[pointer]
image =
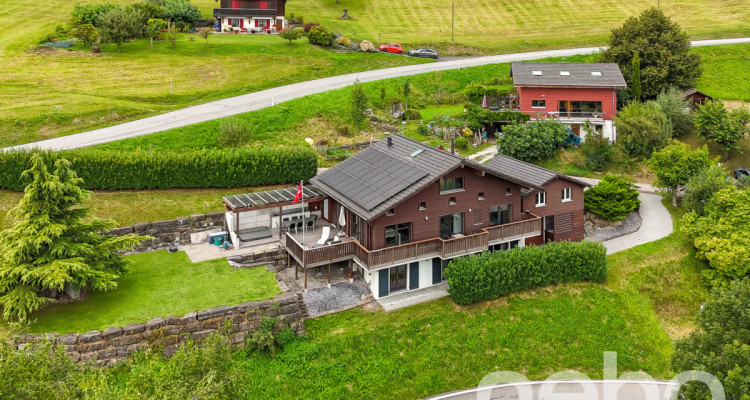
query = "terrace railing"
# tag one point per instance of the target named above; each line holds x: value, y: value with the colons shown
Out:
x: 352, y: 249
x: 244, y: 12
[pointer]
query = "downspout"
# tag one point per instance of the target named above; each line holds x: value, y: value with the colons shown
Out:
x: 614, y: 108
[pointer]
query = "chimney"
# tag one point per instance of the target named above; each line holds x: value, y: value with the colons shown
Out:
x: 389, y: 141
x: 563, y: 59
x: 453, y: 145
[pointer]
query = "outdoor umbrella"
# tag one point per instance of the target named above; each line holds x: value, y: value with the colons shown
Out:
x: 342, y: 219
x: 484, y: 101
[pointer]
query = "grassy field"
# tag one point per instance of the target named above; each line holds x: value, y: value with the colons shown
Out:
x: 726, y: 71
x: 159, y: 284
x: 509, y: 26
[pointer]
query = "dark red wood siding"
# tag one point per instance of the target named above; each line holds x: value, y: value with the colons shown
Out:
x: 562, y: 211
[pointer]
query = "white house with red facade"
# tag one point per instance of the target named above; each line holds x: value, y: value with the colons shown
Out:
x: 572, y: 93
x: 248, y: 15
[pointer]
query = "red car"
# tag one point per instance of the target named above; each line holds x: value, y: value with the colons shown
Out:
x: 392, y: 48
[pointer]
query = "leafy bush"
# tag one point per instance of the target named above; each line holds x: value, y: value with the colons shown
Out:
x: 86, y: 33
x: 613, y: 199
x: 291, y: 34
x: 642, y: 128
x: 90, y: 13
x: 263, y: 339
x: 717, y: 124
x: 461, y: 142
x: 320, y: 35
x: 677, y: 110
x: 296, y: 19
x: 113, y: 170
x: 344, y: 41
x: 233, y: 133
x: 491, y: 275
x: 533, y: 140
x: 411, y: 114
x: 309, y: 26
x: 597, y: 150
x: 675, y: 164
x: 702, y: 186
x: 423, y: 130
x: 286, y: 337
x: 337, y: 154
x: 181, y: 11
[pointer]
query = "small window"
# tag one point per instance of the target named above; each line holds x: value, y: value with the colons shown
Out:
x: 390, y: 212
x: 567, y: 194
x: 536, y: 73
x: 422, y: 205
x: 480, y: 196
x: 508, y: 191
x: 565, y: 73
x: 596, y: 73
x: 538, y: 103
x: 451, y: 184
x: 452, y: 201
x: 541, y: 199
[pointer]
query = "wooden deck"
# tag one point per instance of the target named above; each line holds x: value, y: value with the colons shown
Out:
x: 351, y: 249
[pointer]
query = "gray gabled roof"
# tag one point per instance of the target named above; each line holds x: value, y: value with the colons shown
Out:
x: 579, y: 74
x: 534, y: 175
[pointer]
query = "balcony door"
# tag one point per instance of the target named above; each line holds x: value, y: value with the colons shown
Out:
x: 451, y: 225
x: 398, y: 278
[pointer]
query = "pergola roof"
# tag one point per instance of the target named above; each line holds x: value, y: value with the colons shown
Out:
x: 269, y: 198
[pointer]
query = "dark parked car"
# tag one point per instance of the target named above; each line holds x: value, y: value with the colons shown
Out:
x: 392, y: 48
x: 425, y: 53
x: 741, y: 173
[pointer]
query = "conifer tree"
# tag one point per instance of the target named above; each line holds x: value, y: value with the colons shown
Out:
x: 54, y: 243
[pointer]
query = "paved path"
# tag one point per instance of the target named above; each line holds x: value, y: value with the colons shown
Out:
x: 269, y: 97
x: 580, y: 390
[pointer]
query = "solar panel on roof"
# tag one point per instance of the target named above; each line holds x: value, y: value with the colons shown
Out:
x: 372, y: 178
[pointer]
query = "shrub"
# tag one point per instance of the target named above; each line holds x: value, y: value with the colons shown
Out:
x: 344, y: 41
x: 181, y: 11
x: 702, y: 186
x: 309, y: 26
x: 642, y: 128
x: 412, y: 115
x: 90, y: 13
x: 533, y: 140
x: 597, y: 150
x: 423, y: 130
x: 86, y: 33
x: 113, y: 170
x: 320, y: 35
x: 461, y: 142
x: 367, y: 45
x: 286, y: 337
x: 263, y: 340
x: 613, y: 199
x: 233, y: 133
x: 291, y: 34
x: 296, y: 19
x: 491, y: 275
x: 677, y: 110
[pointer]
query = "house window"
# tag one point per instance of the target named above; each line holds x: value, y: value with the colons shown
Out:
x: 480, y: 196
x: 538, y: 103
x: 541, y: 199
x: 536, y: 73
x: 235, y: 22
x: 500, y: 215
x: 452, y: 201
x: 451, y: 225
x: 504, y: 246
x: 422, y: 205
x: 508, y: 191
x: 390, y: 212
x: 235, y: 3
x: 263, y: 5
x: 397, y: 234
x: 567, y: 194
x: 451, y: 184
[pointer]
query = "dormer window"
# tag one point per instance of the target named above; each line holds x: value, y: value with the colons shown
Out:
x: 536, y: 73
x: 596, y: 73
x: 565, y: 73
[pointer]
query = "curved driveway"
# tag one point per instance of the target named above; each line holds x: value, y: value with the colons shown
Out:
x: 266, y: 98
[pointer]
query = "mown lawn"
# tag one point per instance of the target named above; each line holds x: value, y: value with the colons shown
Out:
x: 159, y: 284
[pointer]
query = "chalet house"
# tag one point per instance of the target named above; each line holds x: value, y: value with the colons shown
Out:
x: 403, y: 210
x: 250, y: 14
x: 696, y: 98
x: 572, y: 93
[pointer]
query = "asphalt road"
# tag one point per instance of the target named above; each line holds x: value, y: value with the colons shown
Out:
x: 579, y: 390
x: 266, y: 98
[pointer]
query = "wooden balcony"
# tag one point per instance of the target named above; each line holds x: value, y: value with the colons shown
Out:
x: 244, y: 12
x: 445, y: 248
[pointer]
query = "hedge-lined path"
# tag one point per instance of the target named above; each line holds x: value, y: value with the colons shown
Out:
x: 266, y: 98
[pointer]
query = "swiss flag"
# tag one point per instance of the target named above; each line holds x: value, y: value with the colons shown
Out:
x: 298, y: 196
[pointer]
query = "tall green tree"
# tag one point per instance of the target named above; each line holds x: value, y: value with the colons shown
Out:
x: 663, y: 48
x: 635, y: 79
x: 717, y: 124
x: 642, y: 128
x: 181, y: 11
x: 677, y: 110
x: 358, y: 104
x: 720, y: 235
x: 675, y: 164
x: 54, y: 243
x: 720, y: 345
x: 119, y: 25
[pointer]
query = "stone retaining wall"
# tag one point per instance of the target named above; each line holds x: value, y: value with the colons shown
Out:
x: 165, y: 232
x: 278, y: 259
x: 114, y: 344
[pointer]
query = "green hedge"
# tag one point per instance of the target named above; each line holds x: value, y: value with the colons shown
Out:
x: 491, y: 275
x: 113, y: 170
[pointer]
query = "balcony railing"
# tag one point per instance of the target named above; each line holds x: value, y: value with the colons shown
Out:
x: 244, y: 12
x: 445, y: 248
x: 567, y: 114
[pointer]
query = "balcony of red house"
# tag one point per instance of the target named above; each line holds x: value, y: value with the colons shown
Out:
x: 250, y: 16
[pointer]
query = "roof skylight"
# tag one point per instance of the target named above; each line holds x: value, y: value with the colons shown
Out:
x: 596, y: 73
x: 565, y: 73
x: 536, y: 73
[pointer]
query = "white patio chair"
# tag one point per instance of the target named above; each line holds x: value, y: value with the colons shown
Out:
x: 324, y: 235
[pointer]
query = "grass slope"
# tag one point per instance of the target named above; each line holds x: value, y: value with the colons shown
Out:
x: 159, y: 284
x: 508, y: 26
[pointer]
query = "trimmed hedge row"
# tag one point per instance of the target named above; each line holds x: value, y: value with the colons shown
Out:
x: 114, y: 170
x: 491, y: 275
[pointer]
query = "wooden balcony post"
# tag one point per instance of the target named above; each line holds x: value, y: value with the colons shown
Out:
x: 305, y: 278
